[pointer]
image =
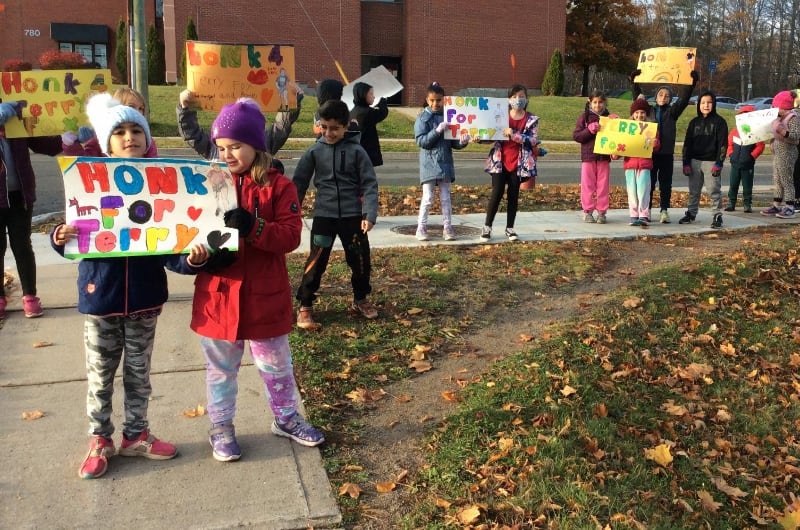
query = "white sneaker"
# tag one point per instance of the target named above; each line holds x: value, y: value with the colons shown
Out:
x: 422, y: 234
x: 511, y: 235
x: 588, y: 217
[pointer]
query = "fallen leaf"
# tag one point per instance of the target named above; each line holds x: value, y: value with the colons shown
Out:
x: 199, y: 410
x: 469, y: 515
x: 730, y: 491
x: 525, y: 338
x: 790, y: 520
x: 353, y: 467
x: 350, y: 489
x: 632, y: 303
x: 32, y: 415
x: 708, y: 502
x: 403, y: 398
x: 568, y: 391
x: 450, y: 396
x: 421, y: 366
x: 441, y: 503
x: 414, y: 311
x: 660, y: 455
x: 42, y: 344
x: 385, y: 487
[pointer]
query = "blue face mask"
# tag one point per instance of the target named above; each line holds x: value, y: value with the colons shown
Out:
x: 517, y: 103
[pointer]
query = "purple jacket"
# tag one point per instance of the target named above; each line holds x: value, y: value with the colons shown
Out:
x: 583, y: 136
x: 20, y: 150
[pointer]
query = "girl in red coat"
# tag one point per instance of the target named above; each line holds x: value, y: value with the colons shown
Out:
x: 637, y: 173
x: 251, y: 299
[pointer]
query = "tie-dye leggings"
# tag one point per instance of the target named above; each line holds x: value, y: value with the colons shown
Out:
x: 272, y: 357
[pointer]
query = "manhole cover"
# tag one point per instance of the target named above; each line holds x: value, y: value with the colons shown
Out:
x: 435, y: 231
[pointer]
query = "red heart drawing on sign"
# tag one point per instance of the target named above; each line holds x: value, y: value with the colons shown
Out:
x: 194, y: 213
x: 266, y: 95
x: 257, y: 77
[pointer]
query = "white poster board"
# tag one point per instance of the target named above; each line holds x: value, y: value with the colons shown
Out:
x: 143, y: 206
x: 756, y: 126
x: 383, y: 83
x: 481, y: 117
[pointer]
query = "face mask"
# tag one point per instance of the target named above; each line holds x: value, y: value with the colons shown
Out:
x: 518, y: 103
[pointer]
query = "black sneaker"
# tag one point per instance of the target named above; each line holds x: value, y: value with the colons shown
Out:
x: 686, y: 219
x: 717, y: 221
x: 730, y: 208
x: 748, y: 209
x: 511, y: 235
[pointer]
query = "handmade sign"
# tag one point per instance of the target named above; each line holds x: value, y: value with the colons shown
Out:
x: 222, y: 73
x: 625, y: 137
x: 140, y: 206
x: 756, y: 126
x: 51, y: 102
x: 666, y: 65
x: 383, y: 83
x: 481, y: 117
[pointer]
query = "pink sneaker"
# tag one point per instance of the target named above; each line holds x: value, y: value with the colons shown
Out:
x: 2, y: 307
x: 32, y: 306
x: 96, y: 463
x: 148, y: 446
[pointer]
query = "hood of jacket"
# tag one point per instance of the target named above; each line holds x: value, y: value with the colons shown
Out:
x: 713, y: 102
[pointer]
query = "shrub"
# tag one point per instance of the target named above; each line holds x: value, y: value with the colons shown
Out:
x: 191, y: 34
x: 156, y: 66
x: 553, y: 82
x: 121, y: 53
x: 16, y: 65
x: 58, y: 60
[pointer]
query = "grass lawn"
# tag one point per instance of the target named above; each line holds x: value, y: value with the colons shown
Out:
x: 558, y: 116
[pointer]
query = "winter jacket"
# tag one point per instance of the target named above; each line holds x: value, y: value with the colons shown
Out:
x: 252, y: 298
x: 20, y: 150
x: 343, y: 176
x: 666, y: 116
x: 528, y: 139
x: 126, y: 285
x: 743, y: 156
x: 640, y: 162
x: 436, y: 153
x: 586, y: 138
x: 706, y: 136
x: 368, y: 118
x: 198, y: 139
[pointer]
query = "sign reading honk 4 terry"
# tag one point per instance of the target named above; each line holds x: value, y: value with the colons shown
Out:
x: 50, y: 102
x: 485, y: 118
x: 625, y: 137
x: 142, y: 206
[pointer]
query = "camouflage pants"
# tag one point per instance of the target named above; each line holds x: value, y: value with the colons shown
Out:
x: 106, y: 338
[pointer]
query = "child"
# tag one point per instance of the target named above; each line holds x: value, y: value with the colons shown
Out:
x: 665, y: 114
x: 346, y: 205
x: 251, y: 300
x: 637, y: 172
x: 436, y: 166
x: 704, y: 151
x: 367, y: 117
x: 786, y: 132
x: 121, y: 298
x: 512, y: 161
x: 85, y: 142
x: 197, y: 138
x: 595, y: 169
x: 17, y: 195
x: 743, y: 159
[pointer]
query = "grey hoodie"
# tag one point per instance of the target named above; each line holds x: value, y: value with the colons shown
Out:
x: 343, y: 176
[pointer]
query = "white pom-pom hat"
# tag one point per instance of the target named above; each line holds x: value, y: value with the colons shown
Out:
x: 106, y: 114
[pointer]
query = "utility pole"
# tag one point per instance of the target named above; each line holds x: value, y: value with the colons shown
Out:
x: 139, y: 47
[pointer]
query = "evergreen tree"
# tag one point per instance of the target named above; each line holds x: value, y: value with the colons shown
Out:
x: 121, y: 53
x: 156, y: 66
x: 191, y: 34
x: 553, y: 82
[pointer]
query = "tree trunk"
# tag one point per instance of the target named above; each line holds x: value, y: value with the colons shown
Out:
x: 585, y: 81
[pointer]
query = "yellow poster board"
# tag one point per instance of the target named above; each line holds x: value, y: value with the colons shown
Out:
x: 50, y: 101
x: 219, y: 74
x: 625, y: 137
x: 666, y: 66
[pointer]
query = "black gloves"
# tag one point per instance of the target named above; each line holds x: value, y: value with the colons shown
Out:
x: 634, y: 74
x: 218, y: 260
x: 240, y: 219
x: 695, y: 76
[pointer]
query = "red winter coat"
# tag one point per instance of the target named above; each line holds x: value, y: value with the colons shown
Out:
x: 252, y: 299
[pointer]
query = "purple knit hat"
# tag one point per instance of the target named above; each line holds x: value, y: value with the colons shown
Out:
x: 241, y: 121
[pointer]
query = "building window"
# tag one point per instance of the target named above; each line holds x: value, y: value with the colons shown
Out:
x: 93, y: 53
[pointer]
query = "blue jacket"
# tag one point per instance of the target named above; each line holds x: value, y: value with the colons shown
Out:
x: 436, y: 153
x: 121, y: 286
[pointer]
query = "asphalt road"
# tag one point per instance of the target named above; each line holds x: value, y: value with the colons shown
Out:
x: 399, y: 169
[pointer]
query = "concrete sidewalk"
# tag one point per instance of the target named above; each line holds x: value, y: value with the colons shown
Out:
x: 276, y: 485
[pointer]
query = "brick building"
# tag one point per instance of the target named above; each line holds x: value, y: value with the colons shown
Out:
x: 459, y: 44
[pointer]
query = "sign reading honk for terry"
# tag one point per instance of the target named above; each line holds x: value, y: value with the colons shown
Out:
x: 485, y: 118
x: 142, y: 206
x: 625, y: 137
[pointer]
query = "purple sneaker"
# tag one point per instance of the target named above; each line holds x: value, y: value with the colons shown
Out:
x: 223, y: 442
x: 300, y: 431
